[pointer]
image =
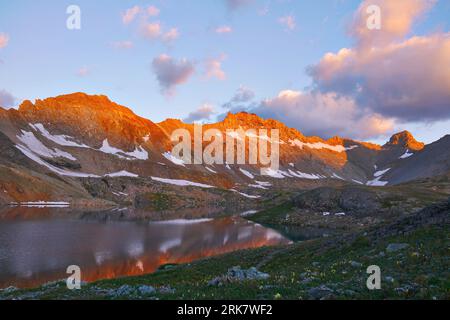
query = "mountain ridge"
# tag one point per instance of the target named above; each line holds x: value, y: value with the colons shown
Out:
x: 231, y: 119
x: 79, y: 137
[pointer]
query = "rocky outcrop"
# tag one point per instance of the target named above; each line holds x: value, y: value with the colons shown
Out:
x: 405, y: 140
x: 359, y: 200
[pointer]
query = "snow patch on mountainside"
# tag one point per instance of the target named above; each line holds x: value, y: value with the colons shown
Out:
x: 272, y: 173
x: 211, y: 170
x: 182, y: 183
x: 264, y: 183
x: 381, y: 172
x: 246, y: 195
x: 27, y: 152
x: 122, y: 173
x: 337, y: 176
x: 257, y: 186
x: 320, y: 145
x: 169, y: 156
x: 261, y: 185
x: 303, y: 175
x: 377, y: 182
x: 248, y: 174
x: 407, y: 154
x: 42, y: 204
x: 62, y: 140
x: 36, y: 146
x: 139, y: 153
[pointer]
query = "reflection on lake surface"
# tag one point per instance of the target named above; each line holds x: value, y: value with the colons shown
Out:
x: 34, y: 250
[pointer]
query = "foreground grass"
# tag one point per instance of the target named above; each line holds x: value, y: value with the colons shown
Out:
x: 420, y: 271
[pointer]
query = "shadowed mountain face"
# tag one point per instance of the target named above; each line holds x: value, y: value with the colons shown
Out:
x: 81, y: 148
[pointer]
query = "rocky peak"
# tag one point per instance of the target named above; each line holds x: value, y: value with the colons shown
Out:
x: 244, y: 119
x: 93, y: 117
x: 406, y: 140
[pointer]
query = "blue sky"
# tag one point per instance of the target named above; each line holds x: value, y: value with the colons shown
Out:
x: 43, y: 58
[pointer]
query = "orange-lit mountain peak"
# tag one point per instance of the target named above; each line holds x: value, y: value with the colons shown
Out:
x: 93, y: 117
x: 407, y: 140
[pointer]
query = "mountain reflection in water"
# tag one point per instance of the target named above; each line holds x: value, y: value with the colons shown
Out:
x: 35, y: 251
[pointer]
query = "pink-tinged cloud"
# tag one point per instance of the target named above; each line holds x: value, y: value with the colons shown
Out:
x: 203, y: 113
x: 408, y: 79
x: 155, y: 31
x: 130, y: 14
x: 224, y: 29
x: 288, y: 22
x: 123, y: 44
x: 152, y: 30
x: 213, y: 68
x: 4, y: 40
x: 7, y: 100
x: 153, y: 11
x: 171, y: 72
x: 397, y: 20
x: 324, y: 115
x: 170, y: 35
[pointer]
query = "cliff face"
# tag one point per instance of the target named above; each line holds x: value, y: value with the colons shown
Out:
x: 78, y: 137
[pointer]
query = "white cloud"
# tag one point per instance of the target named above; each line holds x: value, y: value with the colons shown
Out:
x: 171, y: 73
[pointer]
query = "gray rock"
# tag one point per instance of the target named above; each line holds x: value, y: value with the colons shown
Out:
x: 349, y: 292
x: 237, y: 274
x: 8, y: 290
x: 389, y: 279
x: 166, y: 290
x: 356, y: 264
x: 320, y: 292
x: 394, y: 247
x: 215, y: 282
x: 307, y: 280
x: 146, y: 290
x: 124, y: 290
x: 405, y: 289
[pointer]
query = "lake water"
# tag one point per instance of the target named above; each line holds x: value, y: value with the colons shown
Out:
x: 37, y: 246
